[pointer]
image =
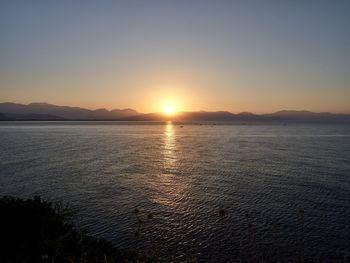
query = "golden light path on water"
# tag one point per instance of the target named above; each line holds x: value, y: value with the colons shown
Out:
x: 170, y: 187
x: 169, y: 146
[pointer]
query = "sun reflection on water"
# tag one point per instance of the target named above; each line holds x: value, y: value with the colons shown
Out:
x: 169, y: 151
x: 169, y: 188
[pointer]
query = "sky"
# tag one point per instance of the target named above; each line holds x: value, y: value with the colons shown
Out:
x: 257, y: 56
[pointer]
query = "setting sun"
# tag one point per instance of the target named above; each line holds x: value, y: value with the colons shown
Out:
x: 169, y: 109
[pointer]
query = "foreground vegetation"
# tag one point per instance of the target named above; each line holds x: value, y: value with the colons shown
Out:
x: 34, y: 230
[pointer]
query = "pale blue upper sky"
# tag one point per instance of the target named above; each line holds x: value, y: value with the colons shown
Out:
x: 258, y: 56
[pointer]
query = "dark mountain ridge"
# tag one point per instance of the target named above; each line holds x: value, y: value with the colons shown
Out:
x: 45, y: 111
x: 244, y: 117
x: 65, y: 112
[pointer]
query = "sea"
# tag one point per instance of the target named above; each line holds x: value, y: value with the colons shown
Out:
x: 203, y: 192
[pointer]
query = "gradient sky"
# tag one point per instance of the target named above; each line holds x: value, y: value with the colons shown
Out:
x: 258, y: 56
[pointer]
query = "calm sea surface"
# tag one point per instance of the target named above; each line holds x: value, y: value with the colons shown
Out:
x: 183, y: 175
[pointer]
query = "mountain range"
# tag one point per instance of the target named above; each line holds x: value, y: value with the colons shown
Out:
x: 44, y: 111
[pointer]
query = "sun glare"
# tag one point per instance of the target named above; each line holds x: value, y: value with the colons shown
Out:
x: 169, y: 109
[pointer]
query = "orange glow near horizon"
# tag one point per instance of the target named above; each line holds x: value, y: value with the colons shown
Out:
x: 169, y: 110
x: 169, y: 106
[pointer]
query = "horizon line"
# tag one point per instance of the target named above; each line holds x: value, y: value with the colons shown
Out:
x: 180, y: 111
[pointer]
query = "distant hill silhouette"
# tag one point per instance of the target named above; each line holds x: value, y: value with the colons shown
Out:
x: 307, y: 116
x: 29, y: 117
x: 61, y: 112
x: 45, y: 111
x: 281, y: 116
